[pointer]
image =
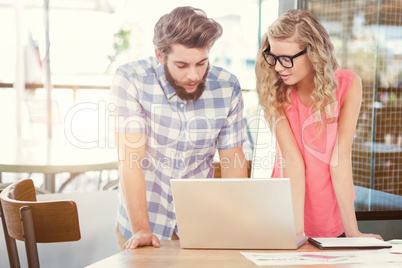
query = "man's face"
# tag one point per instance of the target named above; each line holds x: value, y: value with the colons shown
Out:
x: 186, y: 70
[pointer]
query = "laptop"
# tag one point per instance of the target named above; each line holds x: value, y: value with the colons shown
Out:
x: 235, y: 214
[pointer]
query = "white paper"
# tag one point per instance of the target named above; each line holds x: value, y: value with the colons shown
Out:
x: 328, y: 257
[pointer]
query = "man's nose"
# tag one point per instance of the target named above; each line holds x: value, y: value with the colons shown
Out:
x: 192, y: 74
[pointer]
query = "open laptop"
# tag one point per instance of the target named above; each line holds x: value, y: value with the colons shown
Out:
x: 235, y: 213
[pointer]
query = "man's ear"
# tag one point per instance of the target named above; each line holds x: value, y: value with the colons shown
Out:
x: 159, y: 56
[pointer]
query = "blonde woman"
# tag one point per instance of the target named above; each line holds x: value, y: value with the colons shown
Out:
x: 312, y: 107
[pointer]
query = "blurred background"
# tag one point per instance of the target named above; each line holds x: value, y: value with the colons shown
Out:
x: 57, y: 59
x: 89, y: 39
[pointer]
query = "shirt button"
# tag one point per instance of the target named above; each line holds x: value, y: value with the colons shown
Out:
x: 181, y: 105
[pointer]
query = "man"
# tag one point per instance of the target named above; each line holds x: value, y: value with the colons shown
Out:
x: 174, y: 111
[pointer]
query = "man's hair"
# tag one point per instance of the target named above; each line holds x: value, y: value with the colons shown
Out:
x: 187, y: 26
x: 303, y: 27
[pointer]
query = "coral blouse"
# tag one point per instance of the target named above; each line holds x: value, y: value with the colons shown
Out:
x: 321, y: 212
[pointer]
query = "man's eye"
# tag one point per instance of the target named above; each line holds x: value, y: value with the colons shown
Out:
x: 181, y: 66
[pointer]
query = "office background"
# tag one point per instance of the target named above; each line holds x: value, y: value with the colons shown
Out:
x: 90, y: 38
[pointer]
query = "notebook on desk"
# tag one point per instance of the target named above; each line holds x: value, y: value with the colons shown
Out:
x: 349, y: 243
x: 235, y: 213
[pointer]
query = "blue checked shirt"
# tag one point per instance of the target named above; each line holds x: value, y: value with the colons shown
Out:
x: 182, y: 136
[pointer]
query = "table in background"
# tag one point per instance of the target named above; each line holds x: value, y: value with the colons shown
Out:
x: 171, y: 255
x: 53, y: 157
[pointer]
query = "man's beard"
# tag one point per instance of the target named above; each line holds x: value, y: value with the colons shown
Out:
x: 181, y: 91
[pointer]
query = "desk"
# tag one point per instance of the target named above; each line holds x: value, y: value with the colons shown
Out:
x: 171, y: 255
x: 52, y: 157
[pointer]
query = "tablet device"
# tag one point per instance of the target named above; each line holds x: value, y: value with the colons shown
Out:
x: 349, y: 243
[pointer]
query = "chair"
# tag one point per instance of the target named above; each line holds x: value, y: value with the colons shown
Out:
x: 37, y: 189
x: 112, y: 185
x: 33, y: 222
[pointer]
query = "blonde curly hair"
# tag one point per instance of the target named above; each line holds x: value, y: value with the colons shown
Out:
x: 303, y: 27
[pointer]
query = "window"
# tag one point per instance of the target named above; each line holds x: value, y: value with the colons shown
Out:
x: 368, y: 38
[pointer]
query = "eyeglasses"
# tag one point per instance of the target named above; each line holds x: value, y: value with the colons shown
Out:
x: 285, y: 61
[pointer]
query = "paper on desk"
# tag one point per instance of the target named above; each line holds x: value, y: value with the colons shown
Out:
x: 327, y: 257
x: 396, y: 246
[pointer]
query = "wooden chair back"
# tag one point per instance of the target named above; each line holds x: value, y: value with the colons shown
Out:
x: 26, y: 219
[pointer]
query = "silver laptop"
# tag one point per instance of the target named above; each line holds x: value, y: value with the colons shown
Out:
x: 235, y: 213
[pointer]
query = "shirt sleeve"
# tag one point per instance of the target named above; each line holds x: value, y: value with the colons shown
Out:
x: 233, y: 131
x: 125, y: 106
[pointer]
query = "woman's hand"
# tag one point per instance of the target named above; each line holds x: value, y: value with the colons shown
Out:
x: 359, y: 234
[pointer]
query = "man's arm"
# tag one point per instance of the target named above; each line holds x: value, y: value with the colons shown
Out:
x: 131, y: 150
x: 233, y: 163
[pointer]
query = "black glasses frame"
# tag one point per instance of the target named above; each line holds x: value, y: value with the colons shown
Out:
x: 266, y: 53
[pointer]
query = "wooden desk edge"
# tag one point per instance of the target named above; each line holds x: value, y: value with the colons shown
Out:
x: 170, y: 249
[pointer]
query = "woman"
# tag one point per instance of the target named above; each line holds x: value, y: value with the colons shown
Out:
x: 312, y: 107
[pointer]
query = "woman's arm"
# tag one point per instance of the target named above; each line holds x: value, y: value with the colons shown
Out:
x: 341, y: 162
x: 293, y: 168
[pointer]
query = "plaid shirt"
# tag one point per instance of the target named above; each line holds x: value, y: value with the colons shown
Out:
x: 182, y: 136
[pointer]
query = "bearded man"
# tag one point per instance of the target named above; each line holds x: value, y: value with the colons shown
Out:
x: 173, y: 112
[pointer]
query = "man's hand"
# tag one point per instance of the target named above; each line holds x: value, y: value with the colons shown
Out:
x: 141, y: 238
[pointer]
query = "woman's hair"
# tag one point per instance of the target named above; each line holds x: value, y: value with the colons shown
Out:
x: 302, y: 27
x: 187, y: 26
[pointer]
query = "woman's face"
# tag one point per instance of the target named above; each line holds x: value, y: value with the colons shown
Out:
x: 302, y: 71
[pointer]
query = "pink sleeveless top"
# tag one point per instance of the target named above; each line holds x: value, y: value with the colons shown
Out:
x: 321, y: 212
